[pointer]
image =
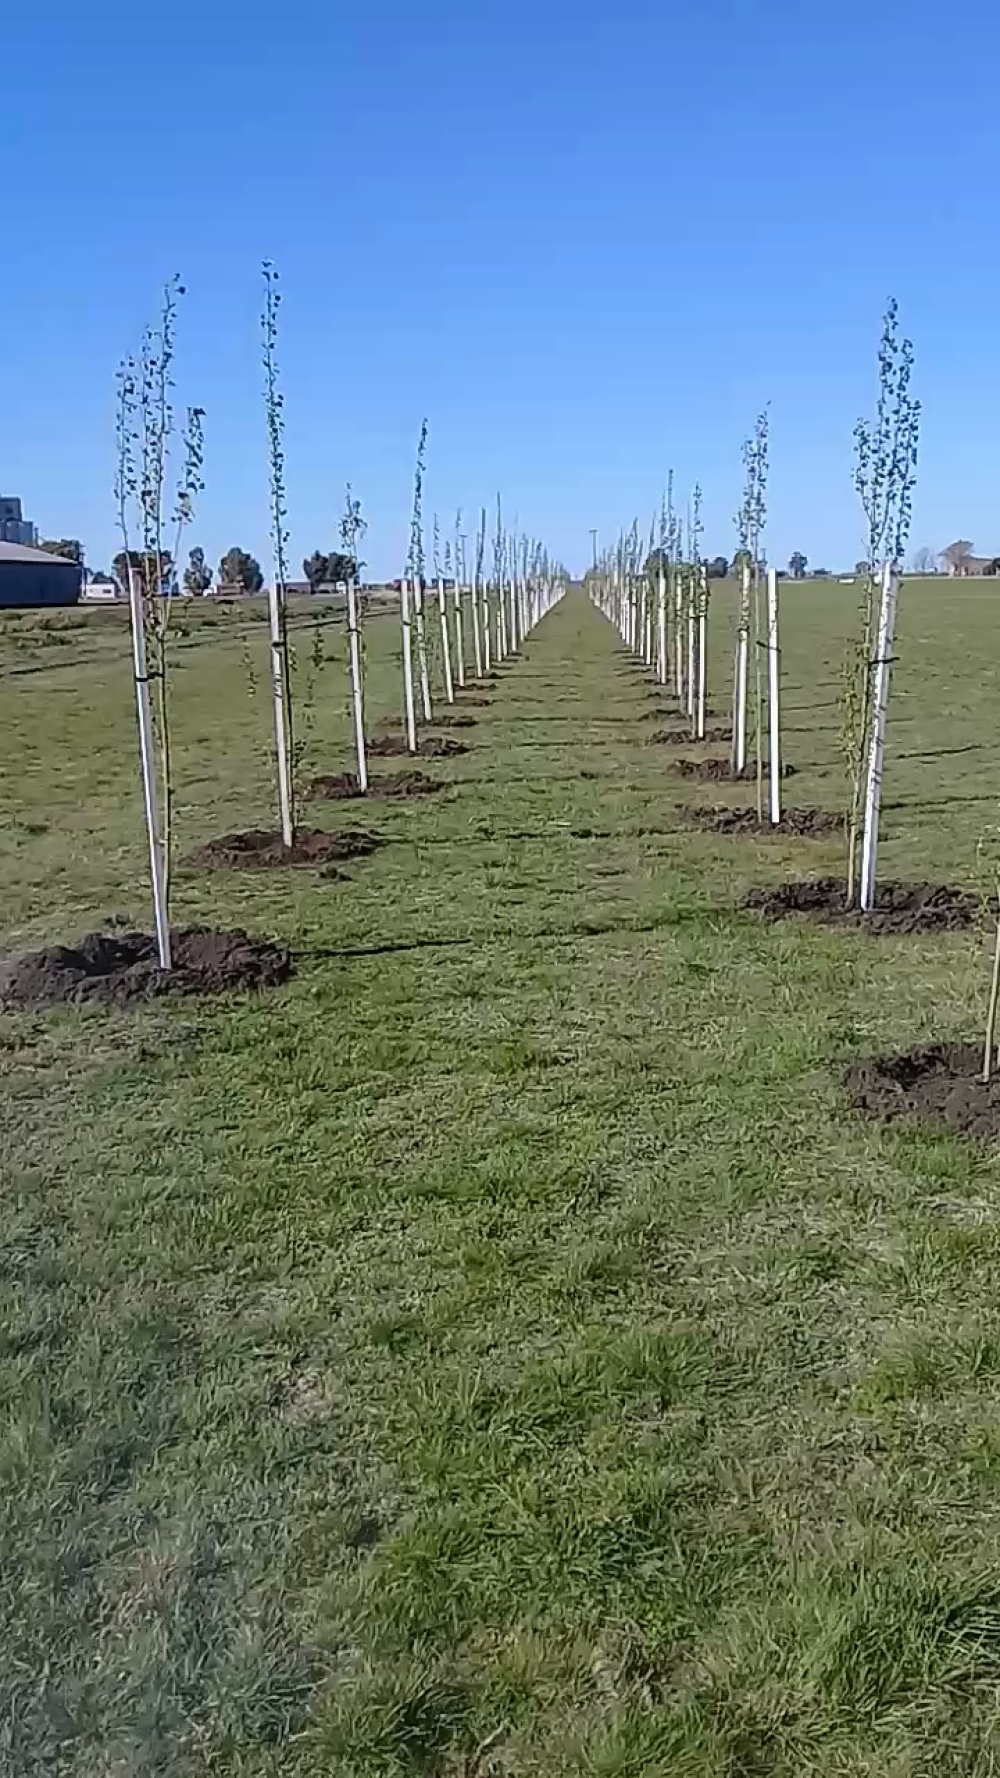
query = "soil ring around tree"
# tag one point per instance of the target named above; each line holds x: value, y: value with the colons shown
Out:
x: 899, y: 907
x: 264, y: 849
x: 801, y: 823
x: 122, y: 969
x: 428, y: 747
x: 718, y: 769
x: 682, y: 737
x: 940, y: 1084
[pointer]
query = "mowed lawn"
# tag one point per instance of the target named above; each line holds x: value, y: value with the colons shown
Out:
x: 498, y: 1352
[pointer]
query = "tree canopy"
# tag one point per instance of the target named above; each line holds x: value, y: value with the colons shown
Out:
x: 798, y: 562
x: 329, y: 569
x: 197, y: 574
x: 238, y: 568
x: 70, y: 547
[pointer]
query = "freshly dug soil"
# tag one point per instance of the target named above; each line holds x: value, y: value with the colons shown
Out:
x: 407, y: 784
x: 344, y: 785
x: 682, y: 737
x: 717, y: 769
x: 121, y: 969
x: 804, y: 823
x: 265, y: 850
x: 456, y: 721
x: 474, y: 703
x: 940, y: 1084
x: 429, y: 746
x: 336, y: 787
x: 899, y: 907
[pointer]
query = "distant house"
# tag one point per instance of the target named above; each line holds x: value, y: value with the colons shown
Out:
x: 30, y: 578
x: 960, y: 563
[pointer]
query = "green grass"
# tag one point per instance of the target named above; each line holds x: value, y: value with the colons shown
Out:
x: 497, y: 1352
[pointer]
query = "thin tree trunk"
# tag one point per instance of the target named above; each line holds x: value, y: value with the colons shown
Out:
x: 144, y: 715
x: 459, y: 635
x: 692, y: 650
x: 880, y: 707
x: 357, y: 688
x: 449, y: 688
x: 477, y: 635
x: 425, y: 679
x: 989, y: 1048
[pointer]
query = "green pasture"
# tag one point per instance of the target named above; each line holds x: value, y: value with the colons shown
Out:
x: 497, y: 1354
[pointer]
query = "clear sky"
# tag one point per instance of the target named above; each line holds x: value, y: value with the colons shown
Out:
x: 589, y: 243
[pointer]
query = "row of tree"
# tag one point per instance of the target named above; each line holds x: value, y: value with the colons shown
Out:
x: 238, y: 571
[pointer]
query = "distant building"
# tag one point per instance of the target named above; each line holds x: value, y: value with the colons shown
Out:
x: 14, y: 527
x: 31, y: 577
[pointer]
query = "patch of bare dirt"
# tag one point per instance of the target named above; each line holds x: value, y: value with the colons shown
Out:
x: 802, y: 823
x: 406, y: 784
x: 899, y: 907
x: 336, y: 787
x: 262, y: 849
x: 682, y: 737
x: 428, y: 746
x: 717, y: 769
x: 121, y: 969
x: 939, y: 1084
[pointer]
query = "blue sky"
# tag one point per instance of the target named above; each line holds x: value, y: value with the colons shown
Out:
x: 589, y: 243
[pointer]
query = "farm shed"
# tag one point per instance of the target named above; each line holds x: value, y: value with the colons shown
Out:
x: 33, y: 577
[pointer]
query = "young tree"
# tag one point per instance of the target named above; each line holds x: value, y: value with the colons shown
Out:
x: 241, y: 571
x: 281, y: 667
x: 197, y: 574
x: 352, y: 530
x: 884, y: 477
x: 145, y: 419
x: 748, y: 567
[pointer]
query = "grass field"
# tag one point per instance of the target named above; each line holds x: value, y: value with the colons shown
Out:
x: 497, y: 1352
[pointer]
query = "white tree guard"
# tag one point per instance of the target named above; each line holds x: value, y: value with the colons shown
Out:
x: 408, y: 707
x: 357, y: 688
x: 773, y: 694
x: 275, y: 595
x: 144, y: 713
x: 876, y: 756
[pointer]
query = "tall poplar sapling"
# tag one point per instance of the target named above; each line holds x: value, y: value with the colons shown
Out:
x: 416, y: 565
x: 750, y: 522
x: 144, y: 426
x: 884, y: 477
x: 352, y: 529
x: 483, y: 584
x: 281, y: 664
x: 457, y: 612
x: 440, y: 576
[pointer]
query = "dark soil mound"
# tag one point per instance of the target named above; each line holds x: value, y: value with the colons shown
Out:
x: 899, y: 907
x: 406, y: 784
x: 122, y: 969
x: 474, y: 703
x: 940, y: 1084
x: 804, y: 823
x: 266, y: 850
x: 682, y: 737
x: 456, y: 721
x: 336, y: 787
x: 428, y: 746
x: 717, y: 769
